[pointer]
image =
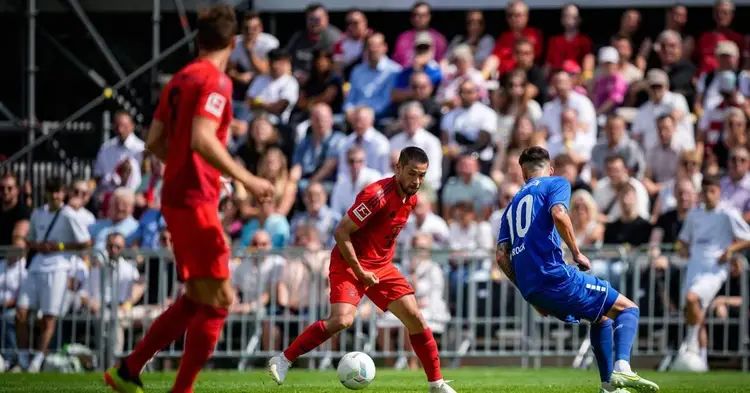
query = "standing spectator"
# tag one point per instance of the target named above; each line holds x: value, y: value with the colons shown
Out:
x: 324, y: 85
x: 470, y: 128
x: 371, y: 81
x: 316, y: 156
x: 735, y: 186
x: 78, y: 198
x: 512, y: 103
x: 269, y: 221
x: 475, y: 38
x: 350, y: 49
x: 609, y: 86
x: 406, y: 43
x: 318, y: 34
x: 469, y: 185
x: 618, y: 143
x: 663, y: 158
x: 14, y: 214
x: 358, y: 176
x: 423, y: 220
x: 422, y: 61
x: 629, y: 228
x: 53, y: 232
x: 567, y: 98
x: 317, y: 214
x: 711, y: 124
x: 679, y: 68
x: 573, y: 141
x: 277, y: 92
x: 501, y: 60
x: 119, y: 218
x: 273, y: 167
x: 375, y: 144
x: 608, y: 188
x: 707, y: 93
x: 413, y: 119
x: 584, y: 214
x: 12, y: 274
x: 707, y: 54
x: 249, y: 58
x: 116, y: 150
x: 461, y: 69
x: 571, y: 44
x: 662, y: 102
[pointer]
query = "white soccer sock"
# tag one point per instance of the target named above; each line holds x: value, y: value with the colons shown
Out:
x: 437, y: 383
x: 622, y: 366
x: 36, y: 363
x: 23, y: 358
x: 691, y: 338
x: 704, y: 354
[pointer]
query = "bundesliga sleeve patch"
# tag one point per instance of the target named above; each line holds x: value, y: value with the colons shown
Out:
x: 362, y: 212
x: 215, y: 104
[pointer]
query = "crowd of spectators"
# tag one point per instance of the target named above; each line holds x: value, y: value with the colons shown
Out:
x: 633, y: 122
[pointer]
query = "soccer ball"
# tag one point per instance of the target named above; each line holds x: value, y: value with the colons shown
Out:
x: 689, y: 362
x: 356, y: 370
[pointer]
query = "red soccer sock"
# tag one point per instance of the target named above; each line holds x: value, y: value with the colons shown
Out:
x: 427, y: 351
x: 202, y: 335
x: 310, y: 339
x: 170, y: 326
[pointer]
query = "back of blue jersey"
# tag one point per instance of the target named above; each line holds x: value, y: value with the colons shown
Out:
x: 528, y: 225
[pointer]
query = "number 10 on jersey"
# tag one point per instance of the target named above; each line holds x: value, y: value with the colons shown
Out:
x: 523, y: 218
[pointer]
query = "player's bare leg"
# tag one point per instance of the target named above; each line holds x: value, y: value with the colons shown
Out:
x: 420, y: 336
x: 696, y: 340
x: 341, y: 318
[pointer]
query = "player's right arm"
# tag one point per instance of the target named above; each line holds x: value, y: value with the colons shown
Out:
x: 504, y: 249
x: 559, y: 197
x: 343, y: 236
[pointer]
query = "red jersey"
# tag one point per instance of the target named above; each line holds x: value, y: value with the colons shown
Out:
x: 380, y: 214
x: 199, y: 89
x: 559, y: 49
x: 505, y: 45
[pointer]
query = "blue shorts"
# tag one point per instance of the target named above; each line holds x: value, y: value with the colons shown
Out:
x: 583, y: 297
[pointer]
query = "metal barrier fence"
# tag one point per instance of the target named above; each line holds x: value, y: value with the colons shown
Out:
x: 478, y: 317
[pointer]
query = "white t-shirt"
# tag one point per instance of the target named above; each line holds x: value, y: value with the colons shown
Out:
x: 469, y: 122
x: 605, y: 196
x: 113, y: 152
x: 263, y: 44
x: 253, y: 279
x: 377, y: 152
x: 270, y: 90
x: 431, y: 145
x: 67, y: 229
x: 645, y: 122
x: 345, y: 191
x: 709, y: 233
x: 11, y: 278
x: 477, y: 237
x: 84, y: 217
x: 581, y: 104
x: 711, y: 95
x: 433, y: 225
x: 127, y: 276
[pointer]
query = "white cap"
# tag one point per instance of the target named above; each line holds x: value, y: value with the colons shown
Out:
x: 608, y: 54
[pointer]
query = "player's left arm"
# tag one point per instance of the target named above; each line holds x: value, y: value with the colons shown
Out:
x: 156, y: 140
x: 504, y: 261
x: 741, y: 233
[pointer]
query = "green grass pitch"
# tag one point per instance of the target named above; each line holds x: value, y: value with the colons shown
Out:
x: 466, y: 380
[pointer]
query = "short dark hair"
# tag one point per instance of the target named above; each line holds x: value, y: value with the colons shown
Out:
x: 115, y: 234
x: 421, y: 4
x: 663, y: 117
x: 522, y: 41
x: 412, y: 154
x: 8, y: 175
x: 627, y: 188
x: 711, y: 180
x: 278, y: 54
x: 620, y: 37
x: 534, y: 156
x: 614, y: 157
x: 563, y: 160
x: 54, y: 184
x: 250, y: 15
x: 314, y: 7
x: 217, y: 27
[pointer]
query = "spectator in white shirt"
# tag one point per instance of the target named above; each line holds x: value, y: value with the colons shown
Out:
x: 376, y: 146
x: 462, y: 68
x: 506, y: 194
x: 424, y: 220
x: 567, y: 98
x: 12, y: 274
x: 572, y: 141
x: 277, y: 92
x: 125, y: 145
x: 607, y: 189
x: 350, y: 50
x: 413, y: 119
x: 467, y: 233
x: 662, y: 101
x: 349, y: 185
x: 469, y: 185
x: 78, y: 197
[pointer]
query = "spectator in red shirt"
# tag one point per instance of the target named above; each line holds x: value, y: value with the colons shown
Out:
x: 571, y: 45
x: 502, y: 59
x: 705, y: 54
x: 349, y: 51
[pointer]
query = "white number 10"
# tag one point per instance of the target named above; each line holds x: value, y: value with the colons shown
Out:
x: 522, y: 225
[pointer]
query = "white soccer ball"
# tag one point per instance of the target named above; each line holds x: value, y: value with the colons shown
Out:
x: 689, y: 362
x: 356, y: 370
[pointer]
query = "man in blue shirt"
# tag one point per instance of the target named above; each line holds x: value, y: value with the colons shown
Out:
x: 371, y: 81
x: 529, y: 252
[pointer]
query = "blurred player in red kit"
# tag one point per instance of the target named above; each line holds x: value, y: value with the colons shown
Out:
x: 189, y: 133
x: 370, y: 227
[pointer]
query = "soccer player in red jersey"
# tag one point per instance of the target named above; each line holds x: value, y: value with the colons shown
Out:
x: 361, y: 264
x: 189, y: 133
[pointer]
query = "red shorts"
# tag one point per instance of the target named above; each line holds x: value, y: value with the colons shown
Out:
x: 346, y: 288
x: 200, y: 248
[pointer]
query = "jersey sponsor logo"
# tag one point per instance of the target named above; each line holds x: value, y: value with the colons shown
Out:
x: 215, y: 104
x: 362, y: 212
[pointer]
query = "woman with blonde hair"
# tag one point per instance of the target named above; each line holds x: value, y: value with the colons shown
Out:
x: 273, y: 167
x: 584, y: 213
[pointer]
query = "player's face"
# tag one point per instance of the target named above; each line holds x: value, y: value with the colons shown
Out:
x: 711, y: 195
x: 411, y: 176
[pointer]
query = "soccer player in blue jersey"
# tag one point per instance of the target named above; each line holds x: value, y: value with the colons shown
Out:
x: 529, y: 252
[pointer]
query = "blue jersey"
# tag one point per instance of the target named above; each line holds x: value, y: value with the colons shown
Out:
x: 527, y: 224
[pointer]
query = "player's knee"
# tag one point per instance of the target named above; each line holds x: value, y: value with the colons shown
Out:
x: 337, y: 323
x: 692, y: 298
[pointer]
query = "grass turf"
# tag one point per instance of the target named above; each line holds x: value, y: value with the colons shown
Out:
x: 466, y: 380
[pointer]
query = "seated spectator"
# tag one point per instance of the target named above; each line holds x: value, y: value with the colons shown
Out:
x: 608, y: 188
x: 576, y: 77
x: 506, y: 194
x: 119, y: 218
x: 567, y: 98
x: 423, y: 220
x: 263, y: 137
x: 350, y: 49
x: 468, y: 232
x: 571, y: 44
x: 79, y: 196
x: 269, y: 221
x: 316, y: 156
x: 573, y: 140
x: 14, y: 213
x: 676, y: 20
x: 668, y: 224
x: 371, y: 81
x: 274, y: 93
x: 706, y: 56
x: 423, y: 61
x: 711, y: 124
x: 376, y: 146
x: 567, y: 168
x: 350, y: 184
x: 318, y: 34
x: 151, y: 224
x: 609, y: 86
x: 672, y: 59
x: 469, y: 185
x: 230, y: 218
x: 249, y: 59
x: 12, y: 274
x: 630, y: 71
x: 662, y: 102
x: 317, y: 215
x: 470, y: 128
x: 618, y: 143
x: 735, y: 134
x: 460, y: 68
x: 630, y: 228
x: 690, y: 170
x: 479, y: 42
x: 512, y: 103
x: 584, y: 214
x: 501, y: 60
x: 520, y: 135
x: 413, y: 120
x: 152, y: 179
x: 536, y: 88
x: 420, y: 90
x: 124, y: 145
x: 324, y: 85
x: 253, y: 278
x: 707, y: 93
x: 663, y: 158
x: 506, y: 168
x: 735, y: 186
x: 273, y: 167
x: 406, y: 44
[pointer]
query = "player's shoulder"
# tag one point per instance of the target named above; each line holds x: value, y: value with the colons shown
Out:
x: 205, y: 73
x: 378, y: 192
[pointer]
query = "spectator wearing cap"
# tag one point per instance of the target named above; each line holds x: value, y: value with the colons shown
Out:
x: 371, y: 81
x: 617, y: 143
x: 735, y: 186
x: 707, y: 94
x: 406, y: 46
x: 502, y: 58
x: 460, y: 68
x: 571, y: 44
x: 663, y: 158
x: 376, y: 146
x: 350, y: 49
x: 479, y: 42
x: 576, y: 76
x: 413, y: 120
x: 711, y: 124
x: 609, y: 88
x: 422, y: 61
x: 680, y: 70
x: 707, y: 50
x: 120, y: 148
x: 357, y: 177
x: 567, y: 98
x: 316, y: 156
x: 318, y: 34
x: 317, y: 214
x: 14, y: 214
x: 607, y: 189
x: 663, y: 101
x: 275, y: 93
x: 469, y: 184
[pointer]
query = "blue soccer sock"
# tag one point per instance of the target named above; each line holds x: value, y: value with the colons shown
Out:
x: 601, y: 344
x: 626, y: 326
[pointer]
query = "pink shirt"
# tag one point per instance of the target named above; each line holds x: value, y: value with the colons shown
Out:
x: 611, y: 87
x: 403, y: 52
